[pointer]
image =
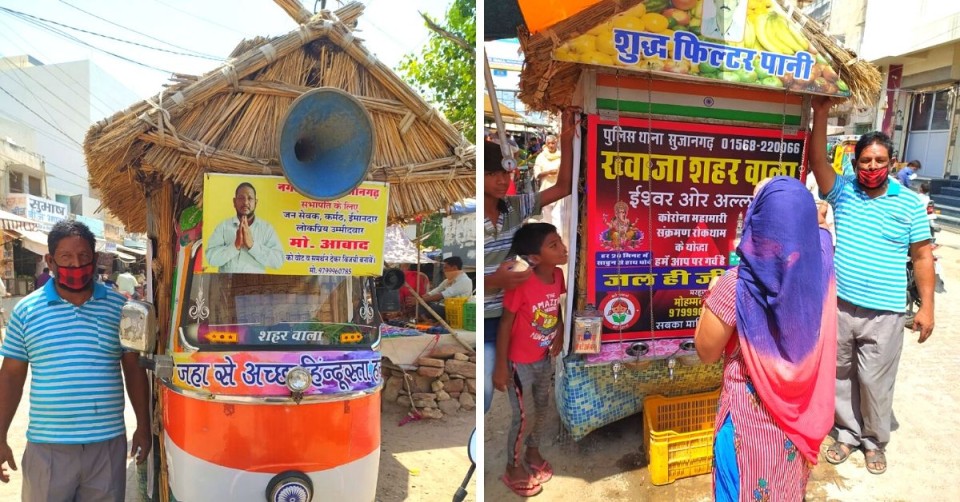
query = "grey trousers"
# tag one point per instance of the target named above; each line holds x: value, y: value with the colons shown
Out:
x: 530, y: 382
x: 869, y: 343
x: 94, y: 472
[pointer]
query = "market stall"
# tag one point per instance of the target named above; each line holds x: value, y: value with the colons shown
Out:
x: 310, y: 138
x: 686, y: 109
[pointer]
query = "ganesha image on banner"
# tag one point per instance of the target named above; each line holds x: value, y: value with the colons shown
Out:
x: 621, y: 233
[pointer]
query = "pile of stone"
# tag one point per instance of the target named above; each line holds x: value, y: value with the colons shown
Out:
x: 443, y: 383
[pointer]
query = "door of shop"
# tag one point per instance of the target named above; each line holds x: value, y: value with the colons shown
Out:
x: 930, y: 131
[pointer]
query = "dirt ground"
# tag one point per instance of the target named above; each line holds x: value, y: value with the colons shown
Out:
x: 609, y: 463
x: 424, y: 460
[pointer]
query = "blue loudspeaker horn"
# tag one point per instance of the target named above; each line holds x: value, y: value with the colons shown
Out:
x: 326, y: 143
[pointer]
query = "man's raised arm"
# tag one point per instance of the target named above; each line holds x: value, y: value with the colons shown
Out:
x: 822, y: 170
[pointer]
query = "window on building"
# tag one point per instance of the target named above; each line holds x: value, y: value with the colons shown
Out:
x: 16, y: 182
x: 931, y: 111
x: 942, y: 106
x: 36, y: 188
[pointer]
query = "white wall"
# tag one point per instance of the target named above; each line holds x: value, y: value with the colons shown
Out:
x: 69, y: 97
x: 895, y: 27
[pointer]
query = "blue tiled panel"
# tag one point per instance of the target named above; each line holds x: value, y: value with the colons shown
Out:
x: 588, y: 397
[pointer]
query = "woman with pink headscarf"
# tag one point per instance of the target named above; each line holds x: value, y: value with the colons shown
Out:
x: 773, y: 320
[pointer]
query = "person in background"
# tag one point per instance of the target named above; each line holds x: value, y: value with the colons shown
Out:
x: 908, y: 173
x: 127, y: 284
x: 924, y: 192
x: 455, y: 284
x: 773, y: 321
x: 546, y: 169
x: 502, y: 216
x: 414, y: 280
x: 879, y: 225
x: 529, y: 336
x: 42, y: 278
x: 65, y: 335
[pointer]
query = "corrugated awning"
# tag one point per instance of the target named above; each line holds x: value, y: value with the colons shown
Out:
x: 124, y: 257
x: 130, y: 250
x: 11, y: 221
x: 35, y: 242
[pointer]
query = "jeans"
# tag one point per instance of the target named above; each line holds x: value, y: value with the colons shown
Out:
x: 490, y: 325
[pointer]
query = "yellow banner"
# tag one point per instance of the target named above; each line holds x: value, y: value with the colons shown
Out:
x: 261, y: 225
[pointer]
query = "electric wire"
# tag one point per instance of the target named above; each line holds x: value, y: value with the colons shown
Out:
x: 83, y: 42
x: 196, y: 53
x: 51, y: 124
x: 108, y: 37
x: 26, y: 48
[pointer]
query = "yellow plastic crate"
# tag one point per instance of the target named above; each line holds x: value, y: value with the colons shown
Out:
x: 678, y: 435
x: 454, y: 311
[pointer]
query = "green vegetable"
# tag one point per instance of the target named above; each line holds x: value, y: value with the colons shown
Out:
x: 656, y: 5
x: 771, y: 81
x: 706, y: 68
x: 729, y: 76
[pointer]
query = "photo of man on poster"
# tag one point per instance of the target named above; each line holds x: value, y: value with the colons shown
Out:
x: 724, y: 20
x: 244, y: 243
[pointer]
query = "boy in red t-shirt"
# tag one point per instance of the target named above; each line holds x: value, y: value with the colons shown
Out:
x: 530, y: 333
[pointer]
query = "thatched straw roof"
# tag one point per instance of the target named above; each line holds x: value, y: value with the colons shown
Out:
x: 549, y: 85
x: 227, y: 121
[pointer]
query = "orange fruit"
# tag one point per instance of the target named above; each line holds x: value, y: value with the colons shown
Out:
x: 600, y: 29
x: 637, y: 11
x: 605, y: 44
x: 597, y: 58
x: 628, y: 23
x: 654, y: 22
x: 583, y: 44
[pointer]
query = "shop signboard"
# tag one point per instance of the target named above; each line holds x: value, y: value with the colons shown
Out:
x: 665, y: 205
x: 749, y: 42
x: 43, y: 211
x: 95, y: 225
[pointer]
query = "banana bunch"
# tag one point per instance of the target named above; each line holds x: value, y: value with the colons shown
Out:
x: 775, y: 34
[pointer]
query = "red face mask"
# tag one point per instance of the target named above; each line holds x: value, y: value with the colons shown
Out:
x: 75, y: 278
x: 872, y: 179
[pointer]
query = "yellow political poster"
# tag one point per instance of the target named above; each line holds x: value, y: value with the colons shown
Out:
x: 261, y: 225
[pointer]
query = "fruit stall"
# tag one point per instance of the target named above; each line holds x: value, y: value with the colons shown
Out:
x: 688, y: 105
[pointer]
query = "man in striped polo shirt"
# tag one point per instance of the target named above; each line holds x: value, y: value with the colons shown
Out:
x: 67, y: 333
x: 502, y: 216
x: 879, y: 226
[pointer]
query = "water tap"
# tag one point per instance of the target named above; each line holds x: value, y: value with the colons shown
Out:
x: 671, y: 364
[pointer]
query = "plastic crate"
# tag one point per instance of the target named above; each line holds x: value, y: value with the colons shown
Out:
x: 470, y: 316
x: 454, y: 311
x: 678, y: 435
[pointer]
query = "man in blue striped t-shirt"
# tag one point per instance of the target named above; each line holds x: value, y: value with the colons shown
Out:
x: 879, y: 225
x: 67, y: 333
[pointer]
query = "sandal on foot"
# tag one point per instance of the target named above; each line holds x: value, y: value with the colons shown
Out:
x: 835, y: 453
x: 876, y: 457
x: 522, y: 487
x: 543, y: 472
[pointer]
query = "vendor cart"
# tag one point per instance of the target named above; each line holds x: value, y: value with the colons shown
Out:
x: 264, y: 356
x: 687, y: 108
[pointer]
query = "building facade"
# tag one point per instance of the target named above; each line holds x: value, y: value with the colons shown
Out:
x: 48, y: 108
x: 919, y: 55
